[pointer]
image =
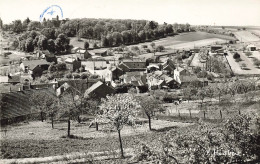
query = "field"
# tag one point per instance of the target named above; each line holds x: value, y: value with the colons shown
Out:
x: 43, y: 141
x: 246, y: 36
x: 189, y: 40
x: 236, y: 66
x: 74, y: 41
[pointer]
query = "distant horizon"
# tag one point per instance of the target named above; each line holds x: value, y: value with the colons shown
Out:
x: 199, y: 12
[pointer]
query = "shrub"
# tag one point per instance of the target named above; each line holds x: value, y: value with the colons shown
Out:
x: 236, y: 56
x: 84, y: 75
x: 76, y: 75
x: 68, y: 75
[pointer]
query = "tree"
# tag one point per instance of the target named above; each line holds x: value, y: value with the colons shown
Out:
x: 160, y: 48
x: 51, y: 45
x: 26, y: 22
x: 29, y: 47
x: 86, y: 45
x: 248, y: 54
x: 149, y: 106
x: 17, y: 26
x: 72, y: 103
x: 46, y: 102
x: 34, y: 25
x: 256, y: 62
x: 42, y: 42
x: 236, y: 56
x: 118, y: 111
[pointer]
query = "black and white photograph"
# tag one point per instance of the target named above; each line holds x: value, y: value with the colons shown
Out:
x: 129, y: 81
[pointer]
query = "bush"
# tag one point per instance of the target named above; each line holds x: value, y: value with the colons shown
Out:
x: 68, y: 75
x: 236, y: 56
x: 76, y: 75
x: 238, y: 59
x: 84, y: 75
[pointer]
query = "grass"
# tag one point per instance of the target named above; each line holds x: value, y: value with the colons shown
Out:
x: 74, y: 41
x: 41, y: 148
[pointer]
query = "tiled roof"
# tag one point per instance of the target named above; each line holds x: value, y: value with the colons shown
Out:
x: 16, y: 104
x: 14, y: 79
x: 34, y: 63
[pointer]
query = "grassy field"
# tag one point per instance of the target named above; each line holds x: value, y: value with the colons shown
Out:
x: 189, y: 40
x: 74, y: 41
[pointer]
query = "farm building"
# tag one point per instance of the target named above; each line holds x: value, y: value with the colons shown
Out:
x: 116, y: 72
x: 83, y: 54
x: 101, y: 52
x: 168, y: 66
x: 135, y: 78
x: 72, y: 64
x: 216, y: 48
x: 47, y: 55
x: 133, y: 65
x: 17, y: 104
x: 99, y: 90
x: 251, y: 47
x: 34, y: 67
x: 14, y: 79
x: 75, y: 49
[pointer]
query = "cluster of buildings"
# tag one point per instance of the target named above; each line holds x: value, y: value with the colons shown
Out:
x: 138, y: 73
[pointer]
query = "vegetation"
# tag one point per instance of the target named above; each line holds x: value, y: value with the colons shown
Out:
x: 118, y: 111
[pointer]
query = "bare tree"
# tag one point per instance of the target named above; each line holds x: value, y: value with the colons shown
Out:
x: 149, y: 106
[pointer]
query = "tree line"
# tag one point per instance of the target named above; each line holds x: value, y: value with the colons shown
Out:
x: 111, y: 32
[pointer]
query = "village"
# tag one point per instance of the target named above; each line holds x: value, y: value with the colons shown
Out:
x: 103, y: 90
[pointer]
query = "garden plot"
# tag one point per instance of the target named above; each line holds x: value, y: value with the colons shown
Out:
x: 246, y: 36
x: 236, y: 66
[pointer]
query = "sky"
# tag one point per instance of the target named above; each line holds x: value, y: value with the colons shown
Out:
x: 195, y: 12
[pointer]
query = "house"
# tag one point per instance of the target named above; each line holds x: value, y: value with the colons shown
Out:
x: 83, y: 54
x: 72, y: 64
x: 153, y: 67
x: 14, y: 79
x: 99, y: 90
x: 169, y: 81
x: 16, y: 104
x: 133, y: 65
x: 216, y: 48
x: 135, y: 78
x: 193, y: 80
x: 155, y: 83
x: 251, y: 47
x: 99, y: 52
x: 116, y: 72
x: 49, y: 57
x: 91, y: 65
x: 80, y: 85
x: 75, y: 49
x: 183, y: 71
x: 168, y: 66
x: 34, y: 67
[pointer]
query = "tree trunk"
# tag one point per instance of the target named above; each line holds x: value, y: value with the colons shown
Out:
x: 179, y: 113
x: 79, y: 120
x: 121, y: 145
x: 149, y: 121
x: 204, y: 113
x: 220, y: 112
x: 68, y: 128
x: 52, y: 125
x: 239, y: 112
x: 42, y: 116
x: 96, y: 125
